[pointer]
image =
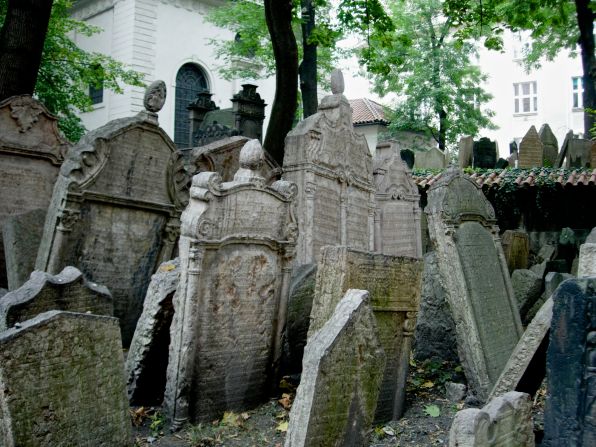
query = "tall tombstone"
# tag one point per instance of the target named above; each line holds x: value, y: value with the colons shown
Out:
x: 62, y: 382
x: 516, y: 247
x: 397, y: 213
x: 394, y: 284
x: 579, y: 152
x: 531, y: 150
x: 551, y: 145
x: 433, y: 158
x: 236, y: 250
x: 116, y: 208
x: 466, y: 147
x: 475, y: 276
x: 335, y: 402
x: 562, y: 157
x: 587, y: 260
x: 332, y: 166
x: 569, y: 412
x: 31, y: 152
x: 484, y: 153
x: 512, y: 160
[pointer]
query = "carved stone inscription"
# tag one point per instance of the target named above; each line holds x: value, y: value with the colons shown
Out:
x: 397, y: 221
x: 487, y: 287
x: 326, y: 214
x: 358, y: 214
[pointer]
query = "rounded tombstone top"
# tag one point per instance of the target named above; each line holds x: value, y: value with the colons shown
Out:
x: 252, y: 155
x: 337, y: 82
x: 155, y: 96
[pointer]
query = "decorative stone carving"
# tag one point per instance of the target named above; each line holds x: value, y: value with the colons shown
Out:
x: 155, y: 96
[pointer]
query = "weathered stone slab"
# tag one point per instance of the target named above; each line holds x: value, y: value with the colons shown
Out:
x: 516, y: 248
x: 571, y: 366
x: 343, y: 363
x: 21, y: 234
x: 62, y: 383
x: 587, y: 260
x: 484, y: 153
x: 67, y: 291
x: 394, y: 285
x: 505, y: 421
x: 550, y: 144
x: 527, y: 287
x: 579, y: 152
x: 433, y: 158
x: 526, y: 367
x: 397, y: 214
x: 562, y: 159
x: 236, y: 250
x: 466, y: 148
x: 147, y: 359
x: 31, y: 152
x: 115, y: 209
x: 332, y: 166
x: 531, y: 150
x: 475, y: 277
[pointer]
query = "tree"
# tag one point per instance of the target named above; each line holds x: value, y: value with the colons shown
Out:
x: 65, y: 71
x: 554, y: 25
x: 437, y: 87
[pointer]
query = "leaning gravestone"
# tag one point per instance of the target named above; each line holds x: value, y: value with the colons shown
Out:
x: 335, y: 402
x: 62, y: 383
x: 587, y: 260
x: 116, y: 206
x: 571, y: 366
x: 474, y: 274
x: 466, y: 148
x: 394, y: 285
x: 67, y: 291
x: 236, y: 250
x: 397, y: 215
x: 332, y: 166
x: 506, y: 421
x: 562, y: 158
x: 531, y: 150
x: 433, y: 158
x: 551, y: 145
x: 31, y: 152
x: 484, y: 153
x: 516, y: 248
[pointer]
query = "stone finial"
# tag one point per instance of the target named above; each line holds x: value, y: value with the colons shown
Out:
x: 337, y: 82
x: 251, y: 160
x: 155, y: 96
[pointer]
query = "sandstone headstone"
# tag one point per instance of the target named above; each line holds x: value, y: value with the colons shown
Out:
x: 332, y: 166
x: 531, y: 150
x: 397, y: 214
x: 591, y: 238
x: 475, y: 277
x: 579, y: 152
x: 527, y: 287
x: 236, y: 250
x: 21, y: 234
x: 571, y: 366
x: 551, y: 145
x: 433, y: 158
x: 67, y: 291
x: 516, y: 247
x: 147, y: 359
x: 484, y: 153
x: 587, y: 260
x: 394, y: 287
x: 504, y: 421
x: 31, y: 152
x: 62, y: 382
x: 466, y: 147
x: 115, y: 209
x: 343, y: 363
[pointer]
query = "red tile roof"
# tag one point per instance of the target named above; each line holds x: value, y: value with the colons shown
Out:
x: 365, y: 111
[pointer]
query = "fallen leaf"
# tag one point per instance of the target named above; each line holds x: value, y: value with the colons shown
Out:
x: 245, y: 416
x: 286, y: 401
x: 432, y: 410
x: 282, y: 426
x: 388, y: 431
x: 427, y: 384
x: 167, y: 268
x: 231, y: 419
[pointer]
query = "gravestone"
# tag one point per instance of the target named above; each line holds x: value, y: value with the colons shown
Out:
x: 116, y: 208
x: 571, y: 366
x: 394, y: 286
x: 501, y: 163
x: 505, y: 421
x: 397, y: 214
x: 551, y: 145
x: 484, y: 153
x: 516, y: 248
x: 593, y: 155
x: 587, y: 260
x: 475, y: 277
x: 466, y: 149
x: 31, y: 152
x: 562, y: 158
x: 527, y: 287
x: 62, y: 383
x: 531, y: 150
x: 408, y: 156
x: 433, y: 158
x: 67, y: 291
x: 236, y: 250
x: 343, y: 363
x: 332, y: 166
x: 147, y: 358
x: 579, y: 152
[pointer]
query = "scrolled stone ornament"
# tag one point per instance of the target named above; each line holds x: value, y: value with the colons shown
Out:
x: 155, y: 96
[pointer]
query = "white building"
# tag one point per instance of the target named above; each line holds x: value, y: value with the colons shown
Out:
x: 165, y: 40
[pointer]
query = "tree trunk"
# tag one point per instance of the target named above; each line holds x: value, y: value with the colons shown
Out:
x: 278, y: 14
x: 21, y: 45
x: 585, y: 22
x: 442, y: 128
x: 308, y: 67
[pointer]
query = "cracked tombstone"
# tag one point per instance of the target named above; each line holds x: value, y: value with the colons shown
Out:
x: 475, y: 276
x: 236, y: 250
x: 116, y: 207
x: 343, y: 363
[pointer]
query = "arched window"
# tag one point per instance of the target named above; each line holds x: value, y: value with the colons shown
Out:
x: 190, y: 80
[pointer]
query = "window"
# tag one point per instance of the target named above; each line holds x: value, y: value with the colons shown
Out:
x: 525, y: 98
x: 190, y: 80
x: 577, y: 83
x: 96, y: 94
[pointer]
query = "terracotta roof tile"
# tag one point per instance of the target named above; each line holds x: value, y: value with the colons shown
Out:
x: 365, y: 111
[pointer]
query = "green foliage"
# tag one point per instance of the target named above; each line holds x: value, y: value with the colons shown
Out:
x: 432, y: 411
x: 157, y: 423
x: 432, y: 373
x: 67, y: 71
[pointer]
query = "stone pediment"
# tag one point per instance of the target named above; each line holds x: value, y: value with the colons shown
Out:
x: 392, y: 180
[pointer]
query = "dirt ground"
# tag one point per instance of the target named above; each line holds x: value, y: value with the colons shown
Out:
x: 426, y: 420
